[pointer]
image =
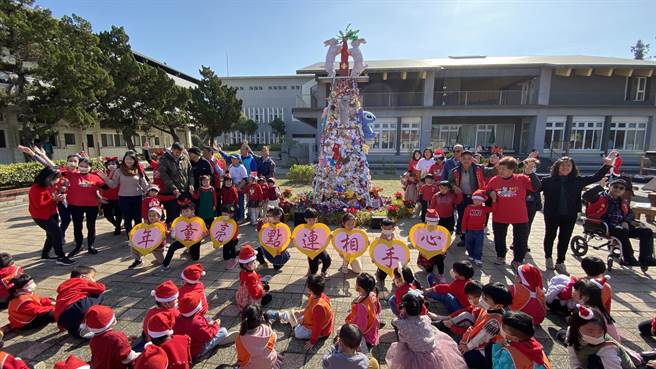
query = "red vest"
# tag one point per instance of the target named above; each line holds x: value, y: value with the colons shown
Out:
x: 480, y: 322
x: 178, y: 351
x: 597, y: 209
x: 372, y: 317
x: 521, y: 361
x: 478, y: 172
x: 324, y: 303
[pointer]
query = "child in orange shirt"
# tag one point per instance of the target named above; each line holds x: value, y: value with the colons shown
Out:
x: 27, y: 310
x: 8, y: 270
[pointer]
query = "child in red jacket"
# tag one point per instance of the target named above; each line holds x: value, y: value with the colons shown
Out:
x: 229, y: 195
x: 251, y: 289
x: 166, y: 300
x: 27, y: 310
x: 110, y: 349
x: 458, y: 321
x: 453, y: 295
x: 8, y: 271
x: 432, y: 219
x: 204, y: 335
x: 255, y: 196
x: 154, y: 217
x: 272, y: 193
x: 191, y: 276
x: 177, y: 347
x: 527, y: 293
x: 74, y: 297
x: 473, y: 226
x: 151, y: 200
x: 262, y: 182
x: 444, y: 202
x: 8, y: 361
x: 426, y: 192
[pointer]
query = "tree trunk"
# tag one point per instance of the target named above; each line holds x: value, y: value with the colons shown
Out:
x: 127, y: 136
x: 174, y: 134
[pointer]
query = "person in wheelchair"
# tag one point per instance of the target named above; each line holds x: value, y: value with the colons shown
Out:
x: 610, y: 207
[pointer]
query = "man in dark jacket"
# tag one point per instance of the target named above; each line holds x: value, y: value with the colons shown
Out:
x: 265, y: 165
x: 177, y: 177
x: 199, y: 165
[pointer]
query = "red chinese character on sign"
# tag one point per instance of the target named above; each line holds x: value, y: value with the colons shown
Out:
x: 145, y: 239
x: 310, y: 240
x: 390, y: 257
x: 273, y: 238
x: 221, y: 232
x: 351, y: 243
x: 431, y: 240
x: 188, y: 232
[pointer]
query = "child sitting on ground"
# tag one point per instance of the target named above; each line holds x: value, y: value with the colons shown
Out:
x: 186, y: 212
x: 477, y: 339
x: 206, y: 200
x: 404, y: 281
x: 153, y: 357
x: 365, y: 311
x: 315, y: 320
x: 473, y: 226
x: 27, y: 310
x: 191, y: 276
x: 256, y: 342
x: 311, y: 216
x: 420, y: 344
x: 432, y: 219
x: 74, y: 297
x: 150, y: 200
x: 559, y: 291
x: 527, y: 294
x: 457, y: 322
x: 274, y: 216
x: 251, y: 289
x: 110, y: 349
x: 387, y: 233
x: 9, y: 361
x: 344, y: 353
x: 8, y: 271
x: 518, y: 349
x: 72, y: 362
x: 154, y: 217
x: 453, y: 295
x: 166, y: 300
x: 348, y: 224
x: 177, y: 347
x: 230, y: 248
x: 205, y: 336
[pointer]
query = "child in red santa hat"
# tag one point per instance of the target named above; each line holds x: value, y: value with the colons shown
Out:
x: 153, y: 357
x: 166, y: 299
x: 154, y: 217
x: 251, y: 289
x: 72, y: 362
x: 432, y: 219
x: 109, y: 349
x: 177, y: 347
x: 527, y: 293
x: 74, y: 297
x: 191, y: 276
x: 8, y: 361
x: 204, y: 335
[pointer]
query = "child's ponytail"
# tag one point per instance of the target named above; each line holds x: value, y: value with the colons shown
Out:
x: 17, y: 283
x: 367, y: 282
x: 251, y: 318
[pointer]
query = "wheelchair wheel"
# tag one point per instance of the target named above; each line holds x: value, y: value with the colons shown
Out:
x: 615, y: 247
x: 579, y: 245
x: 609, y: 263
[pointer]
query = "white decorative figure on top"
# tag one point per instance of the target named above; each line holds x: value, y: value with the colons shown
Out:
x: 333, y: 51
x: 358, y: 59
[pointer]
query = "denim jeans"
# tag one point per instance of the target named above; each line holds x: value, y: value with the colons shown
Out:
x: 240, y: 207
x: 450, y: 302
x: 474, y: 243
x: 215, y: 341
x: 131, y: 210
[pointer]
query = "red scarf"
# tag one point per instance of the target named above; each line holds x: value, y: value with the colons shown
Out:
x: 531, y: 348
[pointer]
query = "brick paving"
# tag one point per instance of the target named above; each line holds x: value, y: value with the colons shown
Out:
x: 128, y: 292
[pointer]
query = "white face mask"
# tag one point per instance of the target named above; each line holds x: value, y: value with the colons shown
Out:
x: 112, y: 166
x: 387, y: 232
x: 84, y: 170
x: 484, y: 305
x: 593, y: 340
x: 30, y: 287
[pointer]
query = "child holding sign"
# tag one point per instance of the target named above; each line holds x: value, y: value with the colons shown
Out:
x: 388, y: 233
x: 311, y: 216
x: 274, y: 221
x: 186, y: 228
x: 350, y: 243
x: 137, y: 238
x: 230, y: 248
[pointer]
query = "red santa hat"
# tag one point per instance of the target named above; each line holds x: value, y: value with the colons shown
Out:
x: 161, y: 324
x: 247, y: 254
x: 152, y: 187
x: 432, y: 216
x: 585, y: 312
x: 153, y: 357
x: 600, y: 282
x: 190, y: 304
x: 72, y: 362
x: 530, y: 276
x: 193, y: 273
x: 479, y: 195
x: 156, y: 209
x: 165, y: 292
x: 99, y: 318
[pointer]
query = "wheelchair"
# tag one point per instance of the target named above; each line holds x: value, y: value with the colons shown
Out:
x: 596, y: 235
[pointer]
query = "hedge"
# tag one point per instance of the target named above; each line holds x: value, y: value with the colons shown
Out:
x: 301, y: 173
x: 22, y: 174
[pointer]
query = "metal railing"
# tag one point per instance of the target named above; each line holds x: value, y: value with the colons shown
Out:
x: 491, y: 97
x: 392, y: 99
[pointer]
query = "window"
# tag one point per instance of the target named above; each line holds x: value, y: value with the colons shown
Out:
x: 628, y: 133
x: 410, y: 133
x: 586, y: 133
x: 554, y: 133
x: 144, y: 139
x: 3, y: 139
x: 2, y: 117
x: 69, y: 139
x: 485, y: 135
x: 118, y: 140
x: 445, y: 135
x: 636, y: 88
x: 385, y: 130
x: 106, y: 140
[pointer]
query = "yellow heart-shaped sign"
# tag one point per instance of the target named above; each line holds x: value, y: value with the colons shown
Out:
x: 311, y: 240
x: 275, y: 238
x: 350, y: 244
x: 145, y: 238
x: 388, y: 255
x: 430, y: 240
x: 222, y: 231
x: 188, y: 231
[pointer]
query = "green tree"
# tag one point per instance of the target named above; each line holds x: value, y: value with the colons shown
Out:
x: 214, y: 106
x: 278, y: 126
x: 640, y: 50
x: 166, y: 104
x: 246, y: 126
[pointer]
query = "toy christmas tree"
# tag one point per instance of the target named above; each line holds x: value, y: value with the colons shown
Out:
x: 342, y: 174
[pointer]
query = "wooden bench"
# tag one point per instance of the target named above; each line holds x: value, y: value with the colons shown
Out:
x: 647, y: 209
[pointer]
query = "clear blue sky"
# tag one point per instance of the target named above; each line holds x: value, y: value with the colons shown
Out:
x: 278, y: 37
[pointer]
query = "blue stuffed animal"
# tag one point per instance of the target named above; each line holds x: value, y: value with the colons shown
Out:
x: 366, y: 118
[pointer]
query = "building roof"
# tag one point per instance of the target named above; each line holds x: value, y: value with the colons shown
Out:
x: 575, y: 61
x: 245, y: 78
x: 179, y: 77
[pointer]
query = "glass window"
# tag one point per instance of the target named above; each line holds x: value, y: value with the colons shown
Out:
x: 636, y: 88
x: 385, y: 130
x: 69, y: 138
x: 106, y: 140
x: 445, y: 135
x: 156, y: 141
x: 3, y: 139
x: 485, y: 135
x: 627, y: 136
x: 554, y: 134
x: 410, y: 133
x: 118, y: 140
x: 585, y: 135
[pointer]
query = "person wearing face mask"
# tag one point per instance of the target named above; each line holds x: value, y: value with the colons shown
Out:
x: 27, y: 310
x: 387, y: 233
x: 109, y: 197
x: 518, y: 349
x: 590, y: 346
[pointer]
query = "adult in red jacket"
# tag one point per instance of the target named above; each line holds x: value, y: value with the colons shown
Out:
x: 75, y: 296
x: 508, y: 192
x: 83, y: 197
x: 43, y: 210
x: 611, y: 208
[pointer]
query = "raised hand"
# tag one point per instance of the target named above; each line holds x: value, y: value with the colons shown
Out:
x: 26, y: 150
x: 608, y: 160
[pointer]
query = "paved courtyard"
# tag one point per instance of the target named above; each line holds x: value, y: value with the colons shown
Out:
x: 128, y: 292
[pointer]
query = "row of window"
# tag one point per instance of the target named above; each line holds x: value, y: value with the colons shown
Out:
x: 626, y: 133
x: 260, y: 138
x: 109, y: 140
x: 265, y: 115
x: 447, y: 135
x: 259, y: 88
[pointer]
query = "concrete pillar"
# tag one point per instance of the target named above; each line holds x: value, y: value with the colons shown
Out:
x: 398, y: 136
x: 538, y: 136
x: 568, y: 131
x: 605, y: 133
x: 544, y: 86
x: 425, y: 130
x: 429, y: 87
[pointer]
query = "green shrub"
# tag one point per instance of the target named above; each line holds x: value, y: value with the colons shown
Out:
x: 301, y: 173
x: 18, y: 175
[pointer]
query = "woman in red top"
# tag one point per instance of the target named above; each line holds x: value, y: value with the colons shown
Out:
x: 83, y: 197
x: 109, y: 197
x: 43, y: 210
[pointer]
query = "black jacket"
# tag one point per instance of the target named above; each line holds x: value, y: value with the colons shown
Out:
x: 573, y: 187
x: 201, y: 168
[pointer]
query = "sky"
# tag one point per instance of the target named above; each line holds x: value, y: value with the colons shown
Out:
x: 279, y: 37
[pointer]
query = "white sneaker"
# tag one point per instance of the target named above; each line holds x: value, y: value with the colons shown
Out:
x: 266, y: 278
x: 230, y: 338
x: 470, y: 258
x: 478, y: 262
